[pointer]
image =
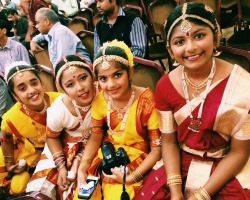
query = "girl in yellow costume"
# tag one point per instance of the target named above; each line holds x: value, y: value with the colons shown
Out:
x: 129, y: 113
x: 23, y: 126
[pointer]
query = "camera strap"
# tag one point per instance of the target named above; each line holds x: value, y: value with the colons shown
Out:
x: 124, y: 195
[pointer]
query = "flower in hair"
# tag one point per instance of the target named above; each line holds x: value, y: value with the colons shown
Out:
x: 122, y: 45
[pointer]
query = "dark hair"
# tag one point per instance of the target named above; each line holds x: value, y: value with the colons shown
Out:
x: 200, y: 13
x: 11, y: 11
x: 113, y: 50
x: 20, y: 67
x: 4, y: 23
x: 72, y: 58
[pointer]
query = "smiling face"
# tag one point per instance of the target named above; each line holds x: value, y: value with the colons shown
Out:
x: 27, y: 88
x: 114, y: 81
x: 78, y: 85
x: 196, y: 49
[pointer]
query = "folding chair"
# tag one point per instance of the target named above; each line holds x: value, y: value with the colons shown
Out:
x: 132, y: 8
x: 87, y: 13
x: 43, y: 56
x: 235, y: 56
x: 78, y: 23
x: 158, y: 11
x: 146, y: 73
x: 47, y: 76
x: 87, y: 38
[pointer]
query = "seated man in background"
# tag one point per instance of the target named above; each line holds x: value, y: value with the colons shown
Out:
x: 9, y: 4
x: 68, y: 8
x: 121, y: 25
x: 10, y: 50
x: 20, y: 26
x: 61, y: 40
x: 6, y: 100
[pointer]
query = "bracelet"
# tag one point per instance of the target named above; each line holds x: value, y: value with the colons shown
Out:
x: 174, y: 179
x: 201, y: 194
x: 136, y: 176
x: 8, y: 159
x: 54, y: 155
x: 86, y: 160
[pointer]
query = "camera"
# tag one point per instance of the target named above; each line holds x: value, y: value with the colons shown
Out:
x: 112, y: 158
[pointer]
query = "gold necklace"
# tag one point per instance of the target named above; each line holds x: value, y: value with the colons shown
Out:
x: 121, y: 111
x: 124, y: 118
x: 85, y: 133
x: 196, y: 122
x: 196, y: 87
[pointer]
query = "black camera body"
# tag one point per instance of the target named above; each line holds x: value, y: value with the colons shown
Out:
x: 112, y: 158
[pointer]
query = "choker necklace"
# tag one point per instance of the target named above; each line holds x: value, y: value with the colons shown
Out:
x: 196, y: 122
x: 196, y: 87
x: 121, y: 117
x: 85, y: 133
x: 84, y: 108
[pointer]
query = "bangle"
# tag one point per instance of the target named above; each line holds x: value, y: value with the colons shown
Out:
x: 174, y: 179
x: 86, y: 160
x: 8, y: 159
x: 201, y: 194
x: 136, y: 176
x: 54, y: 155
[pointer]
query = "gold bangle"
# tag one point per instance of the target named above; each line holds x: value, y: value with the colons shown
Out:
x: 86, y: 160
x: 137, y: 176
x: 201, y: 194
x: 174, y: 179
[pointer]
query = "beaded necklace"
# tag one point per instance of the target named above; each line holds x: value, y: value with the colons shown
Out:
x: 196, y: 87
x: 85, y: 109
x: 124, y: 118
x: 196, y: 122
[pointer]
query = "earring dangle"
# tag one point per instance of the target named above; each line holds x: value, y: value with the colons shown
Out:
x: 176, y: 64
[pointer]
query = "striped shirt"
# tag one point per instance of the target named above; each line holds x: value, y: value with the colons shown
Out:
x: 137, y: 36
x: 13, y: 51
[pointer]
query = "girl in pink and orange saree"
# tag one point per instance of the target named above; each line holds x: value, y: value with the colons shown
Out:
x: 68, y: 130
x: 131, y: 119
x: 203, y: 106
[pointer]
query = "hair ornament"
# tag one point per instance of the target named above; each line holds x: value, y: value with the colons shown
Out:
x: 71, y: 66
x: 105, y: 63
x: 104, y: 59
x: 15, y: 65
x: 185, y: 25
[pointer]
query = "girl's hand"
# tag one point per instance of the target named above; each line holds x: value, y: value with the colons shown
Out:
x: 81, y: 176
x: 179, y: 197
x: 16, y: 169
x: 62, y: 181
x: 117, y: 174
